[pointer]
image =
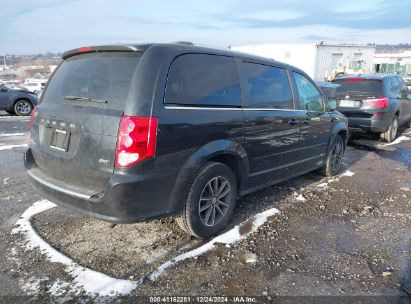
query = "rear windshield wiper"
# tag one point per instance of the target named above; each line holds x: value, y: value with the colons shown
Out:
x: 85, y: 99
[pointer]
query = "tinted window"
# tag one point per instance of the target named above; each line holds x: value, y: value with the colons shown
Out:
x: 395, y: 85
x: 268, y: 86
x: 403, y: 86
x: 199, y: 79
x: 105, y: 76
x: 360, y: 87
x: 310, y: 97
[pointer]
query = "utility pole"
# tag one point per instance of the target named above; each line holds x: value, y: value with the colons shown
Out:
x: 4, y: 60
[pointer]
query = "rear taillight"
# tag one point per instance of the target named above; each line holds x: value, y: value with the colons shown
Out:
x: 137, y: 137
x: 33, y: 118
x: 378, y: 103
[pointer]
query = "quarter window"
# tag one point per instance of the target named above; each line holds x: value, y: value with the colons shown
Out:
x: 200, y: 79
x: 268, y: 86
x: 310, y: 97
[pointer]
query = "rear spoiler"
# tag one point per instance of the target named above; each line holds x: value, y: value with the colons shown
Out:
x: 106, y: 48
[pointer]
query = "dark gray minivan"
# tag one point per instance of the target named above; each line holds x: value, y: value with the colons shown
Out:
x: 137, y: 132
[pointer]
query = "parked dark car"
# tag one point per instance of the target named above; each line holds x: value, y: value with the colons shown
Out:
x: 130, y: 133
x: 20, y: 102
x: 329, y: 89
x: 375, y: 103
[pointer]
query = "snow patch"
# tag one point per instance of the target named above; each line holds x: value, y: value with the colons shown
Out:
x: 92, y: 282
x: 323, y: 186
x: 347, y: 173
x: 301, y: 198
x: 397, y: 141
x: 228, y: 237
x: 7, y: 147
x: 12, y: 134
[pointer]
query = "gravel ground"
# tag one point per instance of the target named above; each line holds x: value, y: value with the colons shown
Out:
x: 339, y: 238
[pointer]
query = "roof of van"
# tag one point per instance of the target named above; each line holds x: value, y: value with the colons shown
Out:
x: 186, y: 47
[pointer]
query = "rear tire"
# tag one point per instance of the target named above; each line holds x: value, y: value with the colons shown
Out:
x: 335, y: 155
x: 391, y: 133
x: 210, y: 202
x: 23, y: 107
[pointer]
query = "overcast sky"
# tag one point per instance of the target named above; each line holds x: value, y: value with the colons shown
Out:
x: 38, y: 26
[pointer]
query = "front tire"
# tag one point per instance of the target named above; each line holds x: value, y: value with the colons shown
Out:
x: 210, y: 202
x: 391, y: 133
x: 23, y: 107
x: 335, y: 155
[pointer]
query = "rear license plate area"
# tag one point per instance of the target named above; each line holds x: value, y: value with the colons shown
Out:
x: 348, y: 103
x: 60, y: 140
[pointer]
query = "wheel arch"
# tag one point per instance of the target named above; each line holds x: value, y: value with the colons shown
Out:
x: 23, y: 98
x: 228, y: 152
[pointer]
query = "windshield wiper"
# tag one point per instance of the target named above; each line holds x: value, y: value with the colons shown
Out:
x: 85, y: 99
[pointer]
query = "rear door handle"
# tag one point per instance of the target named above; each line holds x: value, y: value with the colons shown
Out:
x: 293, y: 121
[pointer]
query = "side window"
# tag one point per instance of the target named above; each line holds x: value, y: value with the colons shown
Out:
x: 200, y: 79
x: 310, y: 97
x: 403, y: 87
x: 395, y: 87
x: 269, y: 86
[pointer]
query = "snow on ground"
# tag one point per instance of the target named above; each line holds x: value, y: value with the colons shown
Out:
x: 301, y: 198
x: 98, y: 284
x: 7, y: 147
x: 397, y: 141
x: 228, y: 237
x: 347, y: 173
x: 12, y: 134
x: 92, y: 282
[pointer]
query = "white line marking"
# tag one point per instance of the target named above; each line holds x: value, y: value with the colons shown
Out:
x: 7, y: 147
x: 93, y: 282
x: 12, y: 134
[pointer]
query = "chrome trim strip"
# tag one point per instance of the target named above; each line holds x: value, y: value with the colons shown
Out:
x: 55, y: 187
x: 229, y: 109
x: 202, y: 108
x: 271, y: 109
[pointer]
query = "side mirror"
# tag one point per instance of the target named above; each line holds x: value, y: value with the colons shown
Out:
x: 332, y: 104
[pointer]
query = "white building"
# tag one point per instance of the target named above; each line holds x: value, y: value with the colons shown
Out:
x: 393, y: 62
x: 319, y: 60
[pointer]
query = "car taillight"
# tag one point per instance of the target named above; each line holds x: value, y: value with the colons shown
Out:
x: 379, y: 103
x: 136, y: 140
x: 33, y: 118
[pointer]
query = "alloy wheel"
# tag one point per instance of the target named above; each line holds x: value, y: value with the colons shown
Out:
x: 23, y: 107
x: 337, y: 156
x: 213, y: 203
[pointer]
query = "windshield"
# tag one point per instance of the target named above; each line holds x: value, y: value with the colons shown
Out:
x: 94, y: 76
x: 358, y: 87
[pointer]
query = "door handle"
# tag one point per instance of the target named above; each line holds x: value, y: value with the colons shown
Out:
x: 293, y: 121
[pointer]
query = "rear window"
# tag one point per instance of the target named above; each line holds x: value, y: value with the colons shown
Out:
x: 201, y: 79
x: 358, y: 87
x: 98, y: 76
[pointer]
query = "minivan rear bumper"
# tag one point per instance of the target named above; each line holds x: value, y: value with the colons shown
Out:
x: 127, y: 199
